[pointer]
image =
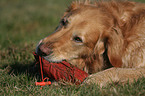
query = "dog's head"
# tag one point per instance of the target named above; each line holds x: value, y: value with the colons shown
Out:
x: 84, y: 38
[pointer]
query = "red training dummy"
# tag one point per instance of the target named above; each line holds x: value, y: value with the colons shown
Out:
x: 59, y: 71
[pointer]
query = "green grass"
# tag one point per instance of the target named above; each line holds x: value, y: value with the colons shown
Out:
x: 22, y: 24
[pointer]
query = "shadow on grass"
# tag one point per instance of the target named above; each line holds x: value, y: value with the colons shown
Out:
x: 19, y: 68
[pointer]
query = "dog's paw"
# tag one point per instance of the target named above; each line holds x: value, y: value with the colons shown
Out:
x: 115, y: 76
x: 103, y: 78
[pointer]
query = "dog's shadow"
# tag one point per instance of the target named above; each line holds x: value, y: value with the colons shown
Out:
x: 17, y: 68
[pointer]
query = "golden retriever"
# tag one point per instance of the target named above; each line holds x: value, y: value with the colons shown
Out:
x: 106, y: 36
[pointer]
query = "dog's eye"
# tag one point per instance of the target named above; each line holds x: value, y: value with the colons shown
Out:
x: 64, y: 22
x: 77, y: 39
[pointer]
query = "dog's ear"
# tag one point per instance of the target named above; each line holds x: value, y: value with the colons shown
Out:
x: 114, y: 47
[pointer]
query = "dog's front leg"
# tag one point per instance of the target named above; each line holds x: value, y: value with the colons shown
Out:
x: 115, y: 75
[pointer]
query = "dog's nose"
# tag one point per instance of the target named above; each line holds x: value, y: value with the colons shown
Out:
x: 43, y: 50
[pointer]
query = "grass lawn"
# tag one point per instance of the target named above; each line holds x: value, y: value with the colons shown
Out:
x: 22, y: 24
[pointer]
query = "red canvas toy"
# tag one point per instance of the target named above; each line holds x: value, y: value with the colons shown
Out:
x: 59, y: 71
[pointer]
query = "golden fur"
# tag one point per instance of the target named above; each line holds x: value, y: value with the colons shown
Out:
x: 100, y: 36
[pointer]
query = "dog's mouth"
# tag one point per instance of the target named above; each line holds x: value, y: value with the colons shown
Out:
x: 49, y: 57
x: 52, y: 60
x: 56, y: 59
